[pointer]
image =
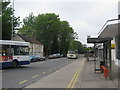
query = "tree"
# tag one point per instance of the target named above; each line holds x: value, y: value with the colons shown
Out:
x: 76, y: 45
x: 6, y: 17
x: 47, y: 26
x: 66, y: 35
x: 49, y: 30
x: 28, y: 26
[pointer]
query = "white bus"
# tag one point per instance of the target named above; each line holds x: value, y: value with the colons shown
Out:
x: 14, y: 53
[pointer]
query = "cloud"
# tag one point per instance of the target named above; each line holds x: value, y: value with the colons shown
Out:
x: 84, y: 29
x: 85, y: 16
x: 101, y: 8
x: 65, y: 0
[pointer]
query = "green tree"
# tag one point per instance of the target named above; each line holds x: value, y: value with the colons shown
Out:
x: 47, y: 26
x: 66, y: 35
x: 49, y: 30
x: 28, y: 26
x: 7, y: 15
x: 76, y: 45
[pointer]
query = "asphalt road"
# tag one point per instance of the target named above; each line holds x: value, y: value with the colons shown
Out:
x: 25, y: 75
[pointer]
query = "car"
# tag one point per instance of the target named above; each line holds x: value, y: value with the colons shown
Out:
x: 51, y: 56
x: 61, y: 55
x: 55, y: 55
x: 41, y: 57
x: 33, y: 58
x: 58, y: 55
x: 72, y: 55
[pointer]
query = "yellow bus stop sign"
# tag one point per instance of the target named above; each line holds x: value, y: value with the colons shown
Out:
x: 112, y: 46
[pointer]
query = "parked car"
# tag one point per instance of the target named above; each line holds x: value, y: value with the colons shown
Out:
x: 33, y: 58
x: 61, y: 55
x: 55, y: 55
x: 58, y: 55
x: 51, y: 56
x: 41, y: 57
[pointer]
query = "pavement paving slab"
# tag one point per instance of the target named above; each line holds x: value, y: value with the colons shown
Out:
x: 90, y: 79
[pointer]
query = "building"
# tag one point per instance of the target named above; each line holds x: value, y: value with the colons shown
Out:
x: 107, y: 47
x: 35, y: 46
x: 111, y: 29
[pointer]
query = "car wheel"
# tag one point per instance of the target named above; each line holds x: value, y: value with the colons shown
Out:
x: 14, y: 64
x: 36, y: 60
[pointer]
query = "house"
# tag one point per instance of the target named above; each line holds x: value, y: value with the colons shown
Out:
x: 35, y: 46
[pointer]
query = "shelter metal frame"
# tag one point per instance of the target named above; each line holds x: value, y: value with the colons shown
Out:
x: 106, y: 52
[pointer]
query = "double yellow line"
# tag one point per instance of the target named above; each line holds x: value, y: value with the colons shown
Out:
x: 23, y: 82
x: 74, y: 79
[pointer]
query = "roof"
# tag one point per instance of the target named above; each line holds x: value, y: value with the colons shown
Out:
x: 29, y: 39
x: 9, y: 42
x: 98, y: 40
x: 110, y: 29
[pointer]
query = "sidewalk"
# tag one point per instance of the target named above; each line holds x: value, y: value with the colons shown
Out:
x: 90, y: 79
x: 75, y: 75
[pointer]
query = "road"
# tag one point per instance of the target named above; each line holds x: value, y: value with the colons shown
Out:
x: 26, y: 75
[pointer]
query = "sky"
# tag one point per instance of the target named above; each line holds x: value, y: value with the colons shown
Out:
x: 86, y: 17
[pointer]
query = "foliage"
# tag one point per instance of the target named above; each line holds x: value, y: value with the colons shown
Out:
x: 6, y: 17
x: 49, y: 30
x: 27, y: 28
x: 76, y: 45
x: 47, y: 26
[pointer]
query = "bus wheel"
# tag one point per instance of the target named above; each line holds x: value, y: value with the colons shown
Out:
x: 14, y: 64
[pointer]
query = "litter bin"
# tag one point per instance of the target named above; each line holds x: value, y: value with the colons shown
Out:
x: 102, y: 63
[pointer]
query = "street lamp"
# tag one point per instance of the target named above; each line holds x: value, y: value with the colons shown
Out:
x: 12, y: 19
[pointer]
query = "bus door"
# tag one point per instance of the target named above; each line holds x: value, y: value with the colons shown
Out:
x: 6, y: 53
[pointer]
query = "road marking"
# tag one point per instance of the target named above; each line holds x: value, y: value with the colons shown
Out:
x: 35, y: 76
x: 4, y: 89
x: 71, y: 82
x: 1, y: 71
x: 43, y: 72
x: 23, y: 81
x: 74, y: 79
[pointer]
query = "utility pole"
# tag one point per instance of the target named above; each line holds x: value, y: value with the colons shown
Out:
x: 12, y: 19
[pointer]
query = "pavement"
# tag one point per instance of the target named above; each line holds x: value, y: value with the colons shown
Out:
x: 78, y: 74
x: 90, y: 79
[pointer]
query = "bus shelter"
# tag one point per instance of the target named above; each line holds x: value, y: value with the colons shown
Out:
x: 106, y: 53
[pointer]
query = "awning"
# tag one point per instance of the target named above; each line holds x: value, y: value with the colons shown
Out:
x: 110, y: 30
x: 98, y: 40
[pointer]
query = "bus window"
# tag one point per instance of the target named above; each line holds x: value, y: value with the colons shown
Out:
x: 24, y: 50
x: 16, y: 49
x: 12, y: 51
x: 6, y: 50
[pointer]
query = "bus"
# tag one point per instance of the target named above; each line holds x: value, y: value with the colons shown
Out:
x: 72, y: 54
x: 14, y: 53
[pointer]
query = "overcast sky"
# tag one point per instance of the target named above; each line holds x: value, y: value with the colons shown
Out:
x: 86, y: 17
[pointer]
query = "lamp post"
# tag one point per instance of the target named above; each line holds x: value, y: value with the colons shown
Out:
x: 12, y: 19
